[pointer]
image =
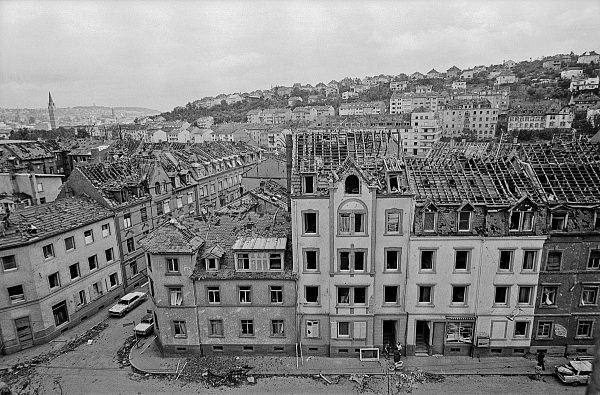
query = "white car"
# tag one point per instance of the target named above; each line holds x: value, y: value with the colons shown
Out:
x: 146, y: 326
x: 127, y: 303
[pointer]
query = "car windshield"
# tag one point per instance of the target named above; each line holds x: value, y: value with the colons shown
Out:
x: 125, y: 302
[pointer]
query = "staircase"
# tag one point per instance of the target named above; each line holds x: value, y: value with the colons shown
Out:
x: 421, y: 349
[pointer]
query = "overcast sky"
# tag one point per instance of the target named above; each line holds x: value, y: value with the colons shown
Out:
x: 161, y: 54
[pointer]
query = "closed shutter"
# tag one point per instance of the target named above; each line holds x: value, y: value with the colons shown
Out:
x: 360, y: 330
x: 334, y: 330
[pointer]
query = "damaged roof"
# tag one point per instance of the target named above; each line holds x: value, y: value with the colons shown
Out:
x: 50, y: 219
x: 172, y: 237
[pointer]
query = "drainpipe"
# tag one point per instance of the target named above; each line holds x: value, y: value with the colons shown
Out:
x: 410, y: 231
x: 288, y: 157
x: 483, y: 247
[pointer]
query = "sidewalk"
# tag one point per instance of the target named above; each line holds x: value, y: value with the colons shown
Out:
x: 147, y: 359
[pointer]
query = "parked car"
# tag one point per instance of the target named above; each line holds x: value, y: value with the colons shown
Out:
x: 146, y: 326
x: 127, y: 303
x: 574, y: 372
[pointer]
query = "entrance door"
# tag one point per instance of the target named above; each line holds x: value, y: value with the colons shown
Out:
x: 438, y: 338
x: 24, y: 333
x: 422, y: 338
x: 389, y: 333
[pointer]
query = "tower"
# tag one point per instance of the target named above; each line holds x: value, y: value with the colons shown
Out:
x: 51, y: 114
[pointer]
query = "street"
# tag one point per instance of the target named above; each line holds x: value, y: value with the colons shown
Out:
x: 95, y: 369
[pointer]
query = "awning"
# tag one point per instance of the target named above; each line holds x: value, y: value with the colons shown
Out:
x: 460, y: 317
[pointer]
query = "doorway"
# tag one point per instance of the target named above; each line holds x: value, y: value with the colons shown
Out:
x: 389, y: 333
x: 422, y: 332
x: 24, y: 332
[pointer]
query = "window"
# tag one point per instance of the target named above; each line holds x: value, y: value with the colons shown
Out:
x: 40, y: 187
x: 390, y: 294
x: 275, y: 261
x: 597, y: 220
x: 127, y: 221
x: 464, y: 219
x: 179, y: 329
x: 54, y: 280
x: 143, y: 214
x: 109, y: 254
x: 243, y: 261
x: 425, y: 294
x: 343, y: 329
x: 277, y: 328
x: 429, y: 219
x: 166, y: 207
x: 81, y: 299
x: 9, y: 262
x: 501, y: 295
x: 352, y: 261
x: 392, y: 258
x: 308, y: 184
x: 61, y: 315
x: 352, y: 295
x: 190, y: 197
x: 113, y: 280
x: 16, y: 294
x: 276, y: 294
x: 48, y: 251
x: 247, y: 328
x: 525, y: 295
x: 157, y: 188
x: 549, y: 295
x: 311, y: 259
x: 130, y: 245
x: 216, y: 328
x: 459, y: 294
x: 311, y: 294
x: 351, y: 222
x: 506, y: 259
x: 529, y: 259
x: 179, y: 202
x: 175, y: 296
x: 74, y: 271
x: 392, y: 222
x: 214, y: 295
x: 97, y: 288
x: 427, y: 260
x: 521, y: 329
x: 245, y: 294
x: 70, y: 243
x: 544, y: 330
x: 105, y: 230
x: 211, y: 263
x: 553, y: 261
x: 352, y: 185
x: 159, y: 208
x: 172, y: 265
x: 584, y: 328
x: 558, y: 221
x: 521, y: 221
x: 312, y: 329
x: 589, y: 295
x: 594, y: 260
x: 310, y: 222
x: 88, y: 236
x: 461, y: 260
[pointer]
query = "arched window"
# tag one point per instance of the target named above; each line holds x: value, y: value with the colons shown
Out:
x: 157, y: 188
x: 352, y: 218
x: 352, y: 185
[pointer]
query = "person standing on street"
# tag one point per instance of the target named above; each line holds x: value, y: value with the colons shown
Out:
x: 540, y: 359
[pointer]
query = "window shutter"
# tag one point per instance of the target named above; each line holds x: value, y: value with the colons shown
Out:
x: 334, y: 330
x: 360, y: 330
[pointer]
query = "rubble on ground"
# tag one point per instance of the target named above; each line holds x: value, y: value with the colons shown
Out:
x: 123, y: 353
x: 216, y: 371
x: 406, y: 381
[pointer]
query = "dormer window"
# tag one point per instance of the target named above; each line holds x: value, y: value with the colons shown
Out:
x: 211, y: 264
x: 352, y: 185
x: 464, y: 218
x: 522, y: 217
x: 558, y: 221
x: 430, y: 218
x: 308, y: 184
x: 157, y: 188
x: 394, y: 186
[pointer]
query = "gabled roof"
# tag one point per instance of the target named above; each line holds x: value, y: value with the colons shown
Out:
x: 172, y: 237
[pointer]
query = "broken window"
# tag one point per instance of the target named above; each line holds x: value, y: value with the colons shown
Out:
x: 311, y: 294
x: 275, y: 261
x: 501, y: 295
x: 427, y: 260
x: 506, y: 258
x: 459, y: 294
x: 390, y: 294
x: 549, y: 295
x: 553, y: 261
x: 16, y: 294
x: 352, y: 185
x: 459, y: 332
x: 308, y: 184
x: 425, y: 294
x: 392, y: 222
x: 461, y: 260
x: 175, y: 296
x: 392, y: 258
x: 310, y: 260
x: 277, y: 294
x: 594, y: 260
x: 312, y: 328
x: 310, y: 222
x: 558, y: 221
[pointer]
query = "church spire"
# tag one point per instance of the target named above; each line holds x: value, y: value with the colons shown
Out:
x: 51, y: 113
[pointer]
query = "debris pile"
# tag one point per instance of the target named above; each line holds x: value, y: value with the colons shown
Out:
x: 216, y: 371
x: 123, y: 353
x: 407, y: 381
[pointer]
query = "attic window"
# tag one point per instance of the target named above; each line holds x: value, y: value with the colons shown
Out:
x: 308, y: 183
x: 157, y: 188
x: 394, y: 183
x: 352, y: 185
x: 211, y: 263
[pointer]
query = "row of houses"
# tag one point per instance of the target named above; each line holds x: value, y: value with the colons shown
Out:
x: 540, y: 115
x: 64, y: 260
x: 479, y: 249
